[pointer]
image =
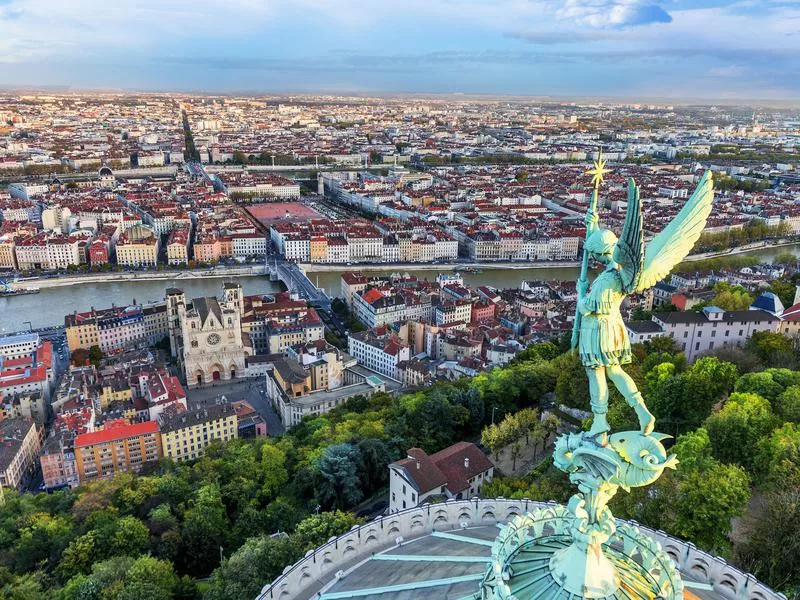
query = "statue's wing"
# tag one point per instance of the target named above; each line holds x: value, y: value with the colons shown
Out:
x: 672, y: 245
x: 629, y: 252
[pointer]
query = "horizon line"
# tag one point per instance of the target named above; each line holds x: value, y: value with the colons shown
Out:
x: 42, y: 89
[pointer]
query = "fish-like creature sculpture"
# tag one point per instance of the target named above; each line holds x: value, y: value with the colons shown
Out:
x: 631, y: 458
x: 643, y: 458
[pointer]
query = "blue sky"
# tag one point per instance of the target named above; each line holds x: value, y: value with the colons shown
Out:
x: 679, y: 49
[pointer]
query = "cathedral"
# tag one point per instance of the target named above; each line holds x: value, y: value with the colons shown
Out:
x: 206, y: 335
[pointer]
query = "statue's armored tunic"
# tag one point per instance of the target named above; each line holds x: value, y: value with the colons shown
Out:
x: 603, y: 340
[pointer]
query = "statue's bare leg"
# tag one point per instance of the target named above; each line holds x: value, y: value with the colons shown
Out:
x: 627, y: 387
x: 598, y: 391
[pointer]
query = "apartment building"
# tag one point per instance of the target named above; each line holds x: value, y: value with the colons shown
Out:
x: 116, y: 327
x: 379, y: 352
x: 118, y: 448
x: 20, y: 442
x: 185, y: 435
x: 59, y: 468
x: 249, y: 244
x: 178, y: 247
x: 448, y: 312
x: 137, y: 247
x: 8, y: 254
x: 26, y: 374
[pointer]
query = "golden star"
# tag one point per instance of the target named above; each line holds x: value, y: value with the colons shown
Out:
x: 599, y: 170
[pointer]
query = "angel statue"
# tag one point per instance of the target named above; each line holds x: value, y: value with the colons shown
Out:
x: 599, y: 333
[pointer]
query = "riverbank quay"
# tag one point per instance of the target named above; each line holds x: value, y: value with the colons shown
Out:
x: 48, y: 281
x: 110, y: 277
x: 441, y: 267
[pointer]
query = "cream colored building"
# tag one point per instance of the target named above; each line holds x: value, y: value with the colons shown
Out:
x: 8, y: 257
x: 184, y: 436
x: 137, y: 247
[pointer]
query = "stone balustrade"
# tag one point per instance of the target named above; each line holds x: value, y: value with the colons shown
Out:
x: 319, y: 566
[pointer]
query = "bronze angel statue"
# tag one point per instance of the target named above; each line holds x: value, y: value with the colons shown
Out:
x: 630, y: 267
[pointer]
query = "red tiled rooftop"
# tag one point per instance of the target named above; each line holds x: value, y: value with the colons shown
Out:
x: 115, y: 432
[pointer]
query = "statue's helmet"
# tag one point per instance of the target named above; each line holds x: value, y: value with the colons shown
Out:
x: 601, y: 241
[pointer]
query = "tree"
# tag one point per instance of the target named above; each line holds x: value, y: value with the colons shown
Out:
x: 337, y: 484
x: 125, y: 578
x: 80, y: 555
x: 80, y: 357
x: 95, y: 355
x: 777, y: 460
x: 705, y: 504
x: 736, y: 429
x: 694, y: 451
x: 41, y: 540
x: 772, y: 348
x: 130, y: 538
x: 516, y: 450
x: 762, y: 384
x: 243, y: 575
x: 30, y: 586
x: 318, y: 529
x: 273, y: 462
x: 204, y: 530
x: 783, y: 288
x: 771, y: 541
x: 787, y: 404
x: 731, y: 298
x: 527, y: 422
x: 492, y: 438
x: 572, y: 384
x: 374, y: 467
x: 685, y: 400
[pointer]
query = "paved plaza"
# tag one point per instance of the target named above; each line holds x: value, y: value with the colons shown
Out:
x: 252, y: 390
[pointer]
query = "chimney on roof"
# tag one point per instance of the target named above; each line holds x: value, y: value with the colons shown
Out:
x: 466, y: 462
x: 417, y: 465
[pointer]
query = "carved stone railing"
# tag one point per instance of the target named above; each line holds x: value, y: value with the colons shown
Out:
x: 321, y: 565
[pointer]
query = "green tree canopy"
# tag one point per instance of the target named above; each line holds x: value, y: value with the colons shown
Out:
x: 736, y: 429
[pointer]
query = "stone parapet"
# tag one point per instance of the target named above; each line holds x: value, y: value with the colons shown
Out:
x: 322, y: 565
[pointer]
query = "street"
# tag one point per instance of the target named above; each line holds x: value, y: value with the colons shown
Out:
x: 251, y: 390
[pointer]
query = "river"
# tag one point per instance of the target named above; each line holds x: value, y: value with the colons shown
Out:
x: 48, y: 307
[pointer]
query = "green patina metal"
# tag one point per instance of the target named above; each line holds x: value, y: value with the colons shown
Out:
x: 579, y: 550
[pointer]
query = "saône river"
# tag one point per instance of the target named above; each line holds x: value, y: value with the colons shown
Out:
x: 48, y: 307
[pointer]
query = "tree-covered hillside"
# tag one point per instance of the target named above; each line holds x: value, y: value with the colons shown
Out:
x: 261, y: 504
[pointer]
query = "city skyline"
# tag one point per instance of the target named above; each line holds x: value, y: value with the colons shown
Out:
x: 681, y: 49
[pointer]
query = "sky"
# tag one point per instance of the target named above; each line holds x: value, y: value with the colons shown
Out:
x: 633, y: 49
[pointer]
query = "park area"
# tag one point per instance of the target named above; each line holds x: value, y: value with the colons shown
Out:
x: 272, y: 212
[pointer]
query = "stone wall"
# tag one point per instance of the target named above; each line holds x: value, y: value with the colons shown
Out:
x: 320, y: 566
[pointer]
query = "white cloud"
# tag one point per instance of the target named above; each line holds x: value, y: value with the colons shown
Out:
x: 612, y: 13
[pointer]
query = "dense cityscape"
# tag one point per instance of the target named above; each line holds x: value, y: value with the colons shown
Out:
x: 210, y: 439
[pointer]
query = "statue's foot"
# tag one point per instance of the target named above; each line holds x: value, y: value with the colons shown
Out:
x: 599, y: 429
x: 647, y: 421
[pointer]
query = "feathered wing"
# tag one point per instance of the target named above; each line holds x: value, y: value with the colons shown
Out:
x: 629, y: 252
x: 678, y: 238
